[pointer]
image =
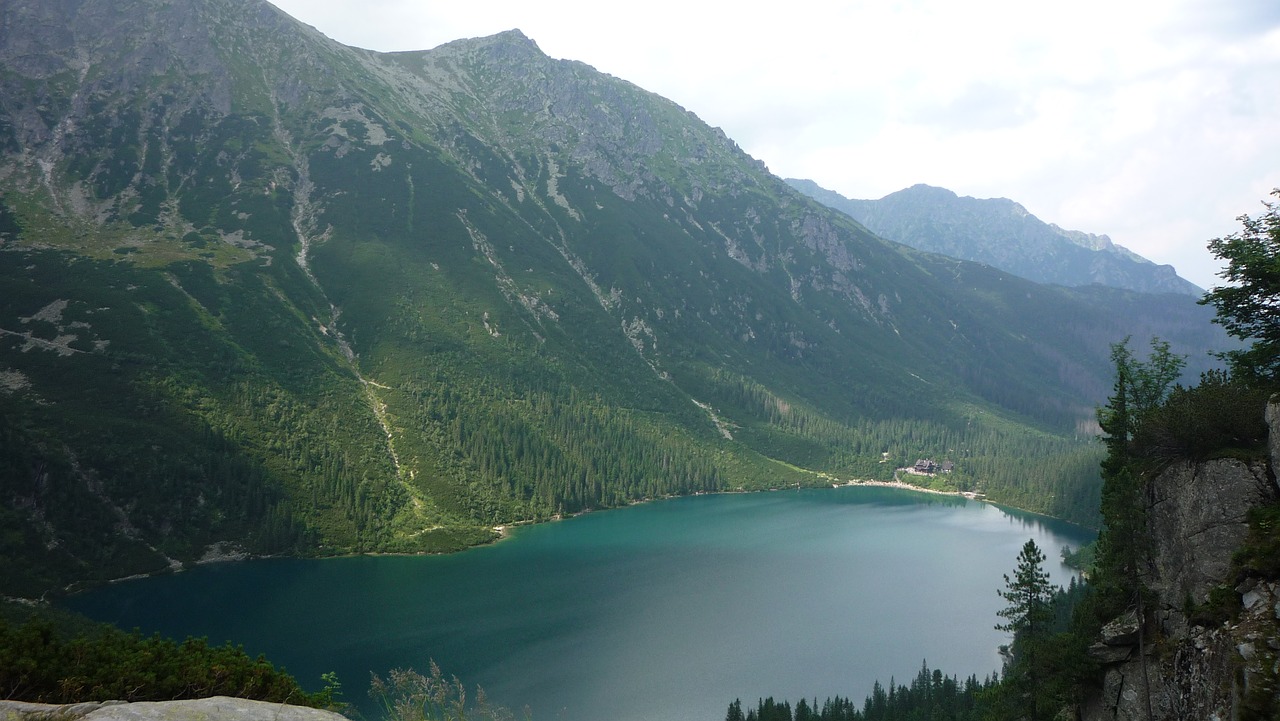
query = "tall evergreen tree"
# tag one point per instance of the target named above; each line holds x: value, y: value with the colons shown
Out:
x: 1117, y: 544
x: 1029, y: 616
x: 1140, y: 388
x: 1123, y: 545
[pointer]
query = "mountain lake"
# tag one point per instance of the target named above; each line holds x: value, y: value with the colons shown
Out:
x: 664, y: 610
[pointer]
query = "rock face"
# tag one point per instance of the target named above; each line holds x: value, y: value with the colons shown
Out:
x: 1197, y: 514
x: 205, y: 709
x: 1200, y: 509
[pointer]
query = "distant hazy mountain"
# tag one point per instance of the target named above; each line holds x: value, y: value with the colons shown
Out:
x: 1001, y: 233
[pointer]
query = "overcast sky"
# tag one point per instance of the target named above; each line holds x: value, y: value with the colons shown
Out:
x: 1156, y: 123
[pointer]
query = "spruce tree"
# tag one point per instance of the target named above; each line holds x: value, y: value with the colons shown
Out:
x: 1140, y: 388
x: 1029, y: 616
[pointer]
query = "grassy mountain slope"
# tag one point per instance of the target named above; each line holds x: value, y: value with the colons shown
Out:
x: 261, y: 292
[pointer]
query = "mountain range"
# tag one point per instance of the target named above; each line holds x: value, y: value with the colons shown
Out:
x: 1001, y: 233
x: 264, y: 293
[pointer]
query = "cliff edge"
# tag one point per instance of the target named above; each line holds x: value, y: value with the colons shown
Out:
x: 1198, y: 666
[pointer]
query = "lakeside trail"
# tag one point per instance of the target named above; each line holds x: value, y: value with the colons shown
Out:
x: 503, y: 532
x: 903, y: 485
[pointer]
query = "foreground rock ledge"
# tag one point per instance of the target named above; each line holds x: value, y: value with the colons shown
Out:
x: 205, y: 709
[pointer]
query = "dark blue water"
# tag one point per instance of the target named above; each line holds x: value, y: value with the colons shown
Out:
x: 668, y: 610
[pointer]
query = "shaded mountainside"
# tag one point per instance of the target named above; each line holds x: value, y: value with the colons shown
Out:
x: 264, y: 293
x: 1001, y: 233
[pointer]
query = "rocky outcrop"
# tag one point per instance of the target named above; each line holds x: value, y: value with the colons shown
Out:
x: 1198, y: 513
x: 1194, y: 669
x: 205, y: 709
x: 1191, y: 680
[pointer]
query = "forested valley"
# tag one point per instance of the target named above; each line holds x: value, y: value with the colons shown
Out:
x: 265, y: 294
x: 1151, y: 422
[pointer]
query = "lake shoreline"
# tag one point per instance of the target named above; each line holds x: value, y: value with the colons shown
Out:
x: 568, y: 618
x: 228, y: 553
x: 902, y: 485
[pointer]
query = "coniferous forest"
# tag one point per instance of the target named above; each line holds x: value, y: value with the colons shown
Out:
x: 265, y: 294
x: 1149, y: 422
x: 413, y: 303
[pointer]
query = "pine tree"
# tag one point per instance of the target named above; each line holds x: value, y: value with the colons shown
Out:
x: 1140, y: 388
x: 1123, y: 548
x: 1029, y: 616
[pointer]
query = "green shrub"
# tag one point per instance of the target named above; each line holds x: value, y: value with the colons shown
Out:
x: 1220, y: 417
x: 1260, y: 555
x: 40, y: 663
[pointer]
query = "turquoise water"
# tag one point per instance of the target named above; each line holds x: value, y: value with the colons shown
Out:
x: 667, y: 610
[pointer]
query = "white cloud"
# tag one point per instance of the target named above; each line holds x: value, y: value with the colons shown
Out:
x: 1156, y: 123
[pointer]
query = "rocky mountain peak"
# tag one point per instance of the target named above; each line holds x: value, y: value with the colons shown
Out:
x: 302, y: 231
x: 514, y: 37
x: 925, y: 191
x: 1004, y: 234
x: 507, y: 47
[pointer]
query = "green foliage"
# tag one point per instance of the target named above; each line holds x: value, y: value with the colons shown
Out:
x: 1141, y: 387
x: 1221, y: 606
x: 328, y: 696
x: 1147, y: 422
x: 483, y: 333
x: 1260, y: 555
x: 39, y: 663
x: 1248, y: 306
x: 10, y: 228
x: 1220, y: 416
x: 1256, y: 561
x: 1029, y: 617
x: 1147, y: 425
x: 1046, y: 669
x: 1082, y: 558
x: 1029, y: 595
x: 209, y: 419
x: 1007, y: 462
